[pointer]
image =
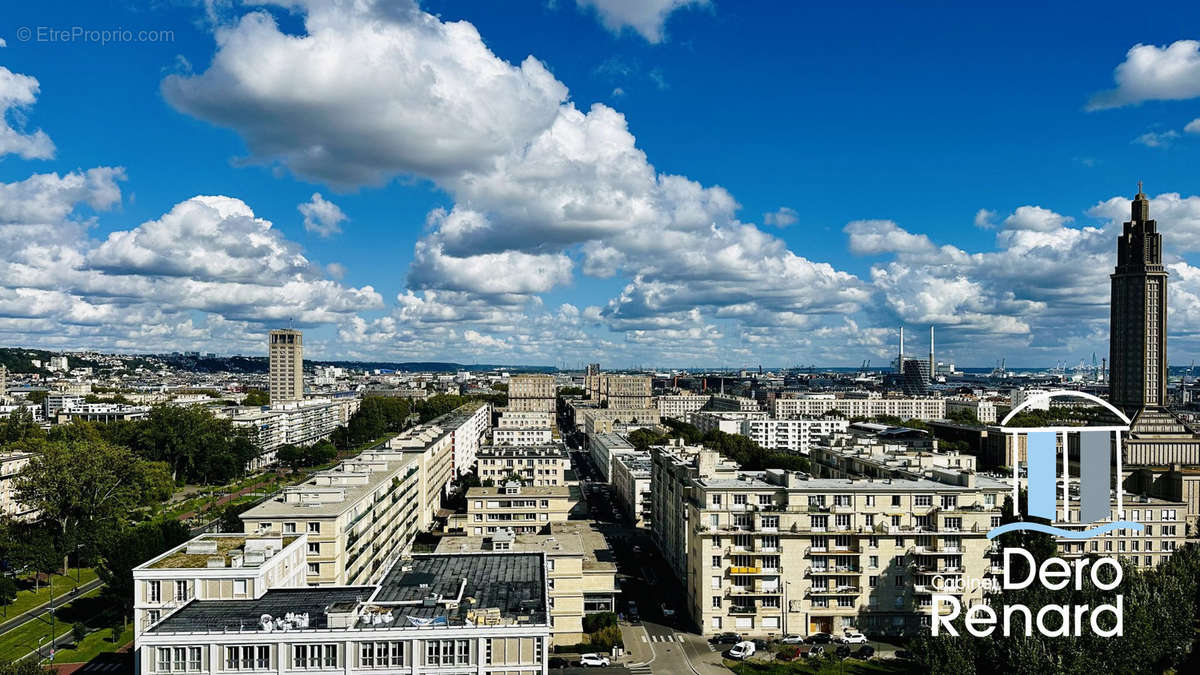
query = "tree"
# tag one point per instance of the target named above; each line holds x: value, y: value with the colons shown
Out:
x: 256, y: 397
x: 642, y: 439
x: 124, y: 549
x: 20, y: 426
x: 290, y: 456
x: 78, y: 632
x: 21, y: 668
x: 229, y: 521
x: 86, y: 487
x: 961, y: 416
x: 197, y: 446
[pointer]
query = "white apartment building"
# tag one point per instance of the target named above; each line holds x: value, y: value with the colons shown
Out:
x: 983, y: 409
x: 522, y: 436
x: 470, y: 423
x: 725, y: 421
x: 101, y: 412
x: 299, y: 423
x: 1019, y: 396
x: 907, y: 407
x: 11, y: 464
x: 484, y: 613
x: 522, y: 419
x: 792, y: 435
x: 677, y: 406
x: 604, y: 448
x: 215, y: 567
x: 631, y: 486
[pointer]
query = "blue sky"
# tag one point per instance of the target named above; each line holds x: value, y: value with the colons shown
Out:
x: 665, y: 183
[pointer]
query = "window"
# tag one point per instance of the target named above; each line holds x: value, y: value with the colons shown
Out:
x: 739, y: 499
x: 248, y: 657
x: 873, y: 561
x: 873, y: 581
x: 841, y: 521
x: 842, y: 500
x: 949, y: 501
x: 923, y: 500
x: 772, y: 522
x: 716, y: 500
x: 870, y: 500
x: 314, y: 568
x: 895, y: 500
x: 195, y: 661
x: 314, y: 548
x: 989, y: 499
x: 899, y: 580
x: 314, y: 657
x: 155, y: 591
x: 869, y: 520
x: 164, y: 659
x: 289, y: 528
x: 716, y: 561
x: 152, y: 616
x: 314, y: 528
x: 716, y: 583
x: 239, y: 586
x: 181, y: 591
x: 716, y: 602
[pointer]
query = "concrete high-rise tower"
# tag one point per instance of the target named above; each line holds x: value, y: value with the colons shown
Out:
x: 286, y: 378
x: 932, y: 363
x: 1138, y: 330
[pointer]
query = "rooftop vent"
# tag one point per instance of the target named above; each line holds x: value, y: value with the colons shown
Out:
x: 202, y: 547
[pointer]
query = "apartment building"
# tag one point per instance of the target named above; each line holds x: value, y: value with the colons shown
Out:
x: 215, y: 567
x: 469, y: 423
x: 519, y: 419
x: 357, y: 516
x: 535, y: 465
x: 677, y: 406
x: 855, y: 456
x: 731, y: 403
x: 481, y: 613
x: 631, y: 486
x: 983, y: 409
x: 604, y: 448
x: 771, y: 552
x: 620, y: 392
x: 520, y: 508
x: 580, y: 574
x: 440, y: 444
x: 1164, y: 524
x: 11, y: 464
x: 792, y: 435
x: 299, y: 423
x: 531, y: 393
x: 522, y: 436
x: 101, y: 412
x: 725, y: 421
x: 285, y: 378
x: 606, y: 420
x: 816, y: 405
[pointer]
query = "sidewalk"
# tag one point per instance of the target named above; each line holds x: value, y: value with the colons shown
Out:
x: 637, y: 646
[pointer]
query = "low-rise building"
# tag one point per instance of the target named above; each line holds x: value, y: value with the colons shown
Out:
x: 11, y: 464
x: 580, y: 573
x: 522, y: 509
x: 478, y: 613
x: 1164, y: 530
x: 983, y: 409
x: 631, y: 486
x: 522, y: 436
x: 731, y: 403
x: 215, y: 567
x: 725, y: 421
x: 101, y: 412
x: 535, y: 465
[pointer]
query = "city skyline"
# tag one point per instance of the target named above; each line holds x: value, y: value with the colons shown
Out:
x: 545, y: 200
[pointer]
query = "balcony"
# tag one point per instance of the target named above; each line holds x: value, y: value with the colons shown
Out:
x: 835, y: 590
x: 742, y: 609
x: 745, y: 570
x: 742, y: 591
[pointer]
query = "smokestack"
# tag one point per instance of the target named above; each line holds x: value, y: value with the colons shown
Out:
x: 900, y: 357
x: 932, y: 363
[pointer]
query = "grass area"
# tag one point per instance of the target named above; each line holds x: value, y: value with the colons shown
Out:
x: 24, y: 638
x: 99, y: 642
x: 821, y: 666
x: 27, y: 599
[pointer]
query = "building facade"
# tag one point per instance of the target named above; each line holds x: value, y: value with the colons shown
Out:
x: 512, y: 506
x: 531, y: 393
x: 285, y: 377
x: 535, y: 465
x: 1138, y: 331
x: 677, y: 406
x: 631, y: 486
x: 908, y: 407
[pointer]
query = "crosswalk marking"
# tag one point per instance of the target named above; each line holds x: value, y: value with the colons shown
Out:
x: 666, y: 638
x: 641, y: 670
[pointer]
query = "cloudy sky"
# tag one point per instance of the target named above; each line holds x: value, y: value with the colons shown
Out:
x: 635, y: 182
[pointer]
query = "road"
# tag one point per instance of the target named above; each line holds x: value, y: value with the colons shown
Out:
x: 56, y: 603
x: 661, y: 641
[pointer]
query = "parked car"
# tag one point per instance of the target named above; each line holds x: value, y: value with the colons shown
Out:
x: 667, y: 610
x: 853, y: 639
x: 760, y: 644
x: 741, y: 650
x: 865, y: 652
x: 792, y: 640
x: 726, y: 639
x: 558, y: 662
x: 842, y: 651
x: 820, y: 639
x: 593, y: 661
x: 815, y: 651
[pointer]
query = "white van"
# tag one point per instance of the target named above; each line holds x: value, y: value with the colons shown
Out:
x: 741, y: 650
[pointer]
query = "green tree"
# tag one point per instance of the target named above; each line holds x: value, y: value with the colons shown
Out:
x: 37, y: 397
x: 87, y: 487
x: 20, y: 426
x: 642, y: 439
x: 21, y: 668
x: 290, y: 456
x: 126, y: 548
x: 961, y: 416
x: 197, y: 446
x: 256, y: 397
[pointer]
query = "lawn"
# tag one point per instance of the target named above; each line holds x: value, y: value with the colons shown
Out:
x: 822, y: 666
x: 24, y: 638
x: 99, y: 642
x: 27, y: 599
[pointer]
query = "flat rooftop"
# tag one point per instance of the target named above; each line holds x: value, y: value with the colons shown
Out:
x: 540, y: 451
x: 201, y: 616
x: 277, y: 507
x: 573, y: 537
x: 526, y: 491
x: 513, y: 583
x: 179, y: 558
x: 755, y: 480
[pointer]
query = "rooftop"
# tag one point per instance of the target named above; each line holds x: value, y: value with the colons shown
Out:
x: 513, y: 583
x: 574, y: 537
x: 198, y: 552
x: 552, y: 450
x: 335, y: 490
x: 525, y: 491
x: 244, y: 615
